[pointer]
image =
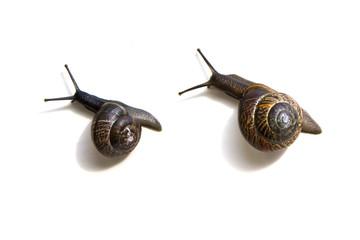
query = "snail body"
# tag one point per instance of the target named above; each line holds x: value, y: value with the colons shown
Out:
x: 269, y: 120
x: 116, y: 127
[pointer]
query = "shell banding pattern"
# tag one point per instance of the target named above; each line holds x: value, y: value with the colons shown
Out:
x: 269, y: 120
x: 113, y: 131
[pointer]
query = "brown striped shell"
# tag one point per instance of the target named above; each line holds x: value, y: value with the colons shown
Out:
x: 269, y: 120
x: 113, y: 131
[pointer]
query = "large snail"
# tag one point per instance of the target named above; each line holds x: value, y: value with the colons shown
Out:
x: 268, y: 120
x: 116, y: 127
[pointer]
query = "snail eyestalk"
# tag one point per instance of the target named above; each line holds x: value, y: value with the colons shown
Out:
x: 59, y: 99
x: 70, y: 97
x: 206, y: 84
x: 72, y: 78
x: 207, y: 62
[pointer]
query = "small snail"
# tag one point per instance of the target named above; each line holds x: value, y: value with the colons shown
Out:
x: 268, y: 120
x: 116, y: 127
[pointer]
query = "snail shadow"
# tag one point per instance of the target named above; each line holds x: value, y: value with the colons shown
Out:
x: 240, y: 154
x: 86, y: 154
x: 89, y: 158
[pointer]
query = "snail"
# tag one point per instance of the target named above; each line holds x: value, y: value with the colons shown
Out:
x: 268, y: 120
x: 116, y: 127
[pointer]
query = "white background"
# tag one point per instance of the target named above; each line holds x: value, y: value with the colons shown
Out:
x: 198, y: 178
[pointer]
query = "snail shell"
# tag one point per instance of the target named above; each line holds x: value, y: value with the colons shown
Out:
x: 269, y: 120
x: 113, y: 131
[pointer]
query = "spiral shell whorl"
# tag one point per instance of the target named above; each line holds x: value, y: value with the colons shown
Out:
x: 113, y: 131
x: 269, y: 120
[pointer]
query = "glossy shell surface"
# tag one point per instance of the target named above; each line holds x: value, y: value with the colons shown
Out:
x: 113, y: 131
x: 269, y: 120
